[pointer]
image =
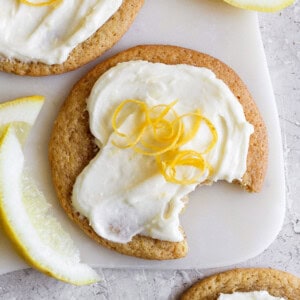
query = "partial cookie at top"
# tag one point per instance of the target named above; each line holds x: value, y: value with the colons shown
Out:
x: 72, y: 145
x: 277, y: 283
x: 102, y: 40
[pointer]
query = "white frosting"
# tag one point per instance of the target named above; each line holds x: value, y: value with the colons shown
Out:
x: 257, y: 295
x: 49, y: 33
x: 121, y: 192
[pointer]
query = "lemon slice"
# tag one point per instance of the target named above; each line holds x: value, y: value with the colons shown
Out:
x: 22, y: 112
x: 36, y: 234
x: 261, y: 5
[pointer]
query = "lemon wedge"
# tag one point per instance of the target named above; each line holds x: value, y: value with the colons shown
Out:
x: 24, y: 211
x: 22, y: 112
x: 261, y: 5
x: 37, y: 235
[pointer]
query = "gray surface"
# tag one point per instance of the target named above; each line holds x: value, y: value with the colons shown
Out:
x: 281, y: 37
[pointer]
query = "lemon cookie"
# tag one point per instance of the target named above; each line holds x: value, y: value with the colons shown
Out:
x: 73, y: 147
x: 61, y: 36
x: 277, y: 283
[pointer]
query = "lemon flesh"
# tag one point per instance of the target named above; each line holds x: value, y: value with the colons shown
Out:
x: 261, y: 5
x: 22, y: 112
x: 37, y: 235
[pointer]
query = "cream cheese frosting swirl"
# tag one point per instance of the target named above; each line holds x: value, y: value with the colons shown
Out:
x: 122, y: 193
x: 49, y: 33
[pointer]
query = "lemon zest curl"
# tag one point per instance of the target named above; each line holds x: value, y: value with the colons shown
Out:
x: 160, y: 133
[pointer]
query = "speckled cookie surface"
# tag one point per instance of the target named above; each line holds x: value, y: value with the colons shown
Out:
x: 72, y: 145
x: 277, y: 283
x: 102, y: 40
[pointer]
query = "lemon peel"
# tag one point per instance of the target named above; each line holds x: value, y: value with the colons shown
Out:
x: 168, y: 165
x: 140, y: 129
x: 43, y: 3
x: 161, y: 133
x: 261, y: 5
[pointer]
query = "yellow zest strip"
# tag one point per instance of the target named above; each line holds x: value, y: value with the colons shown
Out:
x: 191, y: 134
x: 168, y: 139
x: 214, y: 135
x: 187, y: 158
x: 167, y: 107
x: 156, y: 123
x: 131, y: 143
x: 160, y: 150
x: 140, y: 129
x: 163, y: 125
x: 161, y: 133
x: 45, y: 3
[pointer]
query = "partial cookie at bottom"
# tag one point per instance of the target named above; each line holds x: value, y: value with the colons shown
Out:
x: 277, y: 283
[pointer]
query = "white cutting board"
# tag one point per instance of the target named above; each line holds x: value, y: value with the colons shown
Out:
x: 224, y: 224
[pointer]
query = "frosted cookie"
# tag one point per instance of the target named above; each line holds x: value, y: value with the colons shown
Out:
x: 60, y: 37
x: 72, y: 146
x: 278, y: 284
